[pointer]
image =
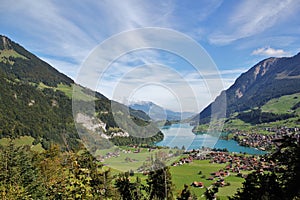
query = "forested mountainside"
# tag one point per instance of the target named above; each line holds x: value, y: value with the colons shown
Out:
x: 36, y: 101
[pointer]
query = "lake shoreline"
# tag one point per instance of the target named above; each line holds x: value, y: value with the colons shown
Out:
x: 182, y: 136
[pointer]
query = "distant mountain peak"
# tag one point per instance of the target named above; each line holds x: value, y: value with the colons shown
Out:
x: 157, y: 112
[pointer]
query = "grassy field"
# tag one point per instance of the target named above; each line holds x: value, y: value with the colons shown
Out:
x: 74, y: 92
x: 132, y: 161
x: 188, y: 173
x: 69, y: 90
x: 5, y: 54
x: 281, y: 105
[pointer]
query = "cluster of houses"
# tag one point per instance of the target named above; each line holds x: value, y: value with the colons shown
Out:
x: 102, y: 158
x: 235, y: 163
x: 260, y: 141
x: 183, y: 161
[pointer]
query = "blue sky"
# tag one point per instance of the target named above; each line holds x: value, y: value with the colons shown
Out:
x: 236, y: 34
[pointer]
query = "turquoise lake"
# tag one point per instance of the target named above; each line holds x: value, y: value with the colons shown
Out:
x: 178, y: 135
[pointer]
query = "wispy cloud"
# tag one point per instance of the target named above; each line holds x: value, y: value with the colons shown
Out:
x: 64, y: 33
x: 268, y: 51
x: 54, y: 29
x: 253, y: 17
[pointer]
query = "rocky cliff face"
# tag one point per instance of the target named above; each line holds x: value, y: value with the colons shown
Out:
x: 270, y: 78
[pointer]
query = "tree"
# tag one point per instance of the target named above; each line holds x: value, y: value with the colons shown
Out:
x: 260, y: 187
x: 287, y: 157
x: 52, y: 170
x: 282, y: 184
x: 87, y: 179
x: 210, y: 193
x: 159, y: 181
x: 124, y: 186
x: 185, y: 193
x: 18, y: 174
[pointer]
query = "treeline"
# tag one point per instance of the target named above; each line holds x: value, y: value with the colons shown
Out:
x: 66, y: 175
x: 124, y: 141
x: 52, y: 175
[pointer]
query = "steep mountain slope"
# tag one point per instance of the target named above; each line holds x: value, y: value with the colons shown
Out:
x: 18, y: 63
x: 35, y: 100
x: 270, y: 78
x: 157, y: 112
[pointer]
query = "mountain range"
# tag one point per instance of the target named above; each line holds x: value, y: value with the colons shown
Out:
x: 158, y: 113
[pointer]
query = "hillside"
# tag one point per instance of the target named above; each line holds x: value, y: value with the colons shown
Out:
x: 18, y: 63
x: 36, y: 101
x: 269, y: 79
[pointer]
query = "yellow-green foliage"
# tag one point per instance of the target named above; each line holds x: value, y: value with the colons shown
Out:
x: 69, y: 90
x: 23, y: 140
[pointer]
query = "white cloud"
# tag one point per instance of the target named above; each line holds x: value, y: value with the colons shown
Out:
x: 253, y: 17
x: 268, y: 51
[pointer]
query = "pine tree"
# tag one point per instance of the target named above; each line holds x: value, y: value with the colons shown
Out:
x: 185, y: 193
x: 159, y: 182
x: 125, y: 187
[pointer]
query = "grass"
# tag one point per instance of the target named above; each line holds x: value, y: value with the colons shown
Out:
x: 74, y: 91
x: 5, y: 54
x: 137, y: 159
x: 237, y: 124
x: 281, y: 105
x: 235, y: 183
x: 68, y: 90
x: 24, y: 140
x: 188, y: 173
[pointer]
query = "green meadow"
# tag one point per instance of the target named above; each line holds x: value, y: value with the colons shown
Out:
x: 188, y: 173
x: 132, y: 161
x: 182, y: 174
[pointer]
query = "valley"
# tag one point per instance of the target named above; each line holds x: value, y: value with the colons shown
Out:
x: 55, y: 146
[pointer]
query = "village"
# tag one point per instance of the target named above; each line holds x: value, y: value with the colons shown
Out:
x: 263, y: 142
x: 235, y: 163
